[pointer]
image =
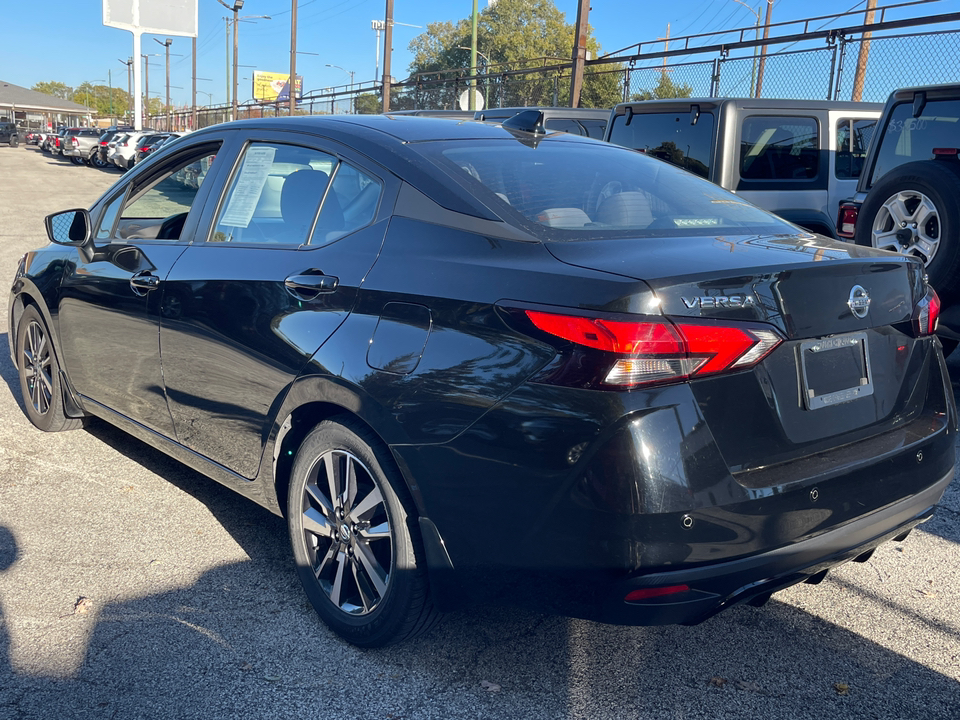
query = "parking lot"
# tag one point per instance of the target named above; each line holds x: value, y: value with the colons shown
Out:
x: 133, y: 587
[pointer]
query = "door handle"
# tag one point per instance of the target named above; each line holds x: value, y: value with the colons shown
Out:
x: 144, y: 282
x: 309, y: 286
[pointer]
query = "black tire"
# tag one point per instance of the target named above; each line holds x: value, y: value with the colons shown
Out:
x: 39, y: 373
x: 357, y: 546
x: 14, y: 140
x: 76, y: 160
x: 925, y: 222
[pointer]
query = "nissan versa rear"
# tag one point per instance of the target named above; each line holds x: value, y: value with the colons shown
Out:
x: 471, y: 362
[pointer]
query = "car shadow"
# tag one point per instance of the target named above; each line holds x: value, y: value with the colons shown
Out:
x: 239, y: 642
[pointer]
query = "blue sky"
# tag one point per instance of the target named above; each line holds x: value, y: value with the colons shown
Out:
x: 65, y: 40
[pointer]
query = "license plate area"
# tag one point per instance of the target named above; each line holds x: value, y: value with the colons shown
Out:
x: 835, y: 370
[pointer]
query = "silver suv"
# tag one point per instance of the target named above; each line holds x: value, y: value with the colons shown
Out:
x: 796, y: 158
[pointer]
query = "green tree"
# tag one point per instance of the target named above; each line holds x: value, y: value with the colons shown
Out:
x: 57, y: 89
x: 513, y: 35
x: 666, y: 88
x: 367, y: 104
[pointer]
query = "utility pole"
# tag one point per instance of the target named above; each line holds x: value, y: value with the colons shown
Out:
x: 763, y: 50
x: 473, y: 60
x: 129, y: 63
x: 226, y: 92
x: 579, y: 53
x: 387, y: 50
x: 864, y: 55
x: 193, y: 101
x: 292, y: 81
x: 146, y: 86
x: 167, y: 43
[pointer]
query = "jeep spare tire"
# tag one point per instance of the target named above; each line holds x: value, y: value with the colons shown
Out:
x: 915, y: 210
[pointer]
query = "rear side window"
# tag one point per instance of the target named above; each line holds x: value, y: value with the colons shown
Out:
x: 853, y: 139
x: 907, y: 138
x: 779, y: 148
x: 668, y: 136
x: 276, y: 193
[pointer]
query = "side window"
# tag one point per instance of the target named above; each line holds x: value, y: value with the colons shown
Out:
x: 109, y: 216
x: 779, y: 148
x: 669, y: 136
x: 562, y: 125
x: 274, y: 195
x: 158, y: 208
x: 853, y: 139
x: 594, y: 128
x: 351, y: 203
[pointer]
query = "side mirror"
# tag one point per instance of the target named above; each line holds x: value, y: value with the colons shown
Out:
x: 70, y: 227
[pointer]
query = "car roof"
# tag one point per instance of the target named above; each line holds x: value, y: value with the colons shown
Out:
x: 748, y: 104
x: 391, y: 141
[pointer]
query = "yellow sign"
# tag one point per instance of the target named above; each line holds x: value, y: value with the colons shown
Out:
x: 274, y: 87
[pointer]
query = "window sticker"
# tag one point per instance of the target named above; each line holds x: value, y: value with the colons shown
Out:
x: 257, y: 163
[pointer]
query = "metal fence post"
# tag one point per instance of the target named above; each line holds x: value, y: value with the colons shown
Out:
x: 833, y: 66
x: 842, y: 54
x: 715, y: 79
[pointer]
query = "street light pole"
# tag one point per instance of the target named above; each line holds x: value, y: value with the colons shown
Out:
x: 349, y: 72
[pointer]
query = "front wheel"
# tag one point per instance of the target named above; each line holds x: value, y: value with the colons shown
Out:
x: 76, y: 160
x: 40, y: 375
x: 356, y: 545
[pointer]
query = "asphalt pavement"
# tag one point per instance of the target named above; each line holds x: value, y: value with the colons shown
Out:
x: 133, y: 587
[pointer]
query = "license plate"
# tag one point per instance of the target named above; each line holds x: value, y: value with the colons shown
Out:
x: 835, y: 370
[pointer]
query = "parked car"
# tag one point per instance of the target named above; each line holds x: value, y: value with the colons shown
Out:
x: 449, y: 114
x: 588, y: 122
x: 467, y: 361
x: 125, y: 146
x: 79, y: 144
x: 9, y: 134
x: 109, y: 134
x: 908, y: 197
x: 796, y: 158
x: 151, y: 143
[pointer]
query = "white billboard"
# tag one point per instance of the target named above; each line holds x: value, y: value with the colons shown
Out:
x: 155, y: 17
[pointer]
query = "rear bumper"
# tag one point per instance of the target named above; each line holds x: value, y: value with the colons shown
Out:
x: 715, y: 587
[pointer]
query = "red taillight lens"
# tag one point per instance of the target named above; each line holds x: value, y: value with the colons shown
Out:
x: 660, y: 350
x: 927, y: 314
x: 647, y: 593
x: 847, y: 220
x: 144, y: 148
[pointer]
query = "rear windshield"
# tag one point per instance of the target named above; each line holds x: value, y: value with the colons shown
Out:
x: 907, y: 138
x: 669, y: 136
x: 572, y: 189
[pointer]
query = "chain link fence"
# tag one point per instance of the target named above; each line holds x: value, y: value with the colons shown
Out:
x: 826, y: 72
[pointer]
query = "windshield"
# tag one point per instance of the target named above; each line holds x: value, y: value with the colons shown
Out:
x: 568, y: 190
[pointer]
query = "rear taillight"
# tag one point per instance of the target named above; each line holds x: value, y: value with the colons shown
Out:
x: 926, y: 315
x: 74, y: 141
x: 621, y: 353
x: 847, y: 220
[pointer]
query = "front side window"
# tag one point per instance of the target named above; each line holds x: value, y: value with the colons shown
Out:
x: 670, y: 136
x: 853, y: 139
x: 907, y: 138
x: 288, y: 195
x: 779, y: 148
x: 158, y: 208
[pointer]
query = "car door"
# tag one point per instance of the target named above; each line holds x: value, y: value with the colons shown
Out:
x: 110, y: 305
x: 288, y: 246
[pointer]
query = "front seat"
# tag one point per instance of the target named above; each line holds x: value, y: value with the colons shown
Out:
x: 299, y: 198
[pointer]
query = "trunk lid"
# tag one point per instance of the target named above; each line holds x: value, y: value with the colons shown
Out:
x: 850, y: 366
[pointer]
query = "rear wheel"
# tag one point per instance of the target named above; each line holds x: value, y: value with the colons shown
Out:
x: 915, y: 210
x: 76, y: 160
x: 40, y: 375
x: 356, y: 545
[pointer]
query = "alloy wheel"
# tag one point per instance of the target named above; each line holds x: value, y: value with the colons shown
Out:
x: 346, y: 532
x: 37, y: 366
x: 908, y: 223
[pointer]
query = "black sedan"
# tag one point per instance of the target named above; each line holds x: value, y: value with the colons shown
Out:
x: 469, y: 361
